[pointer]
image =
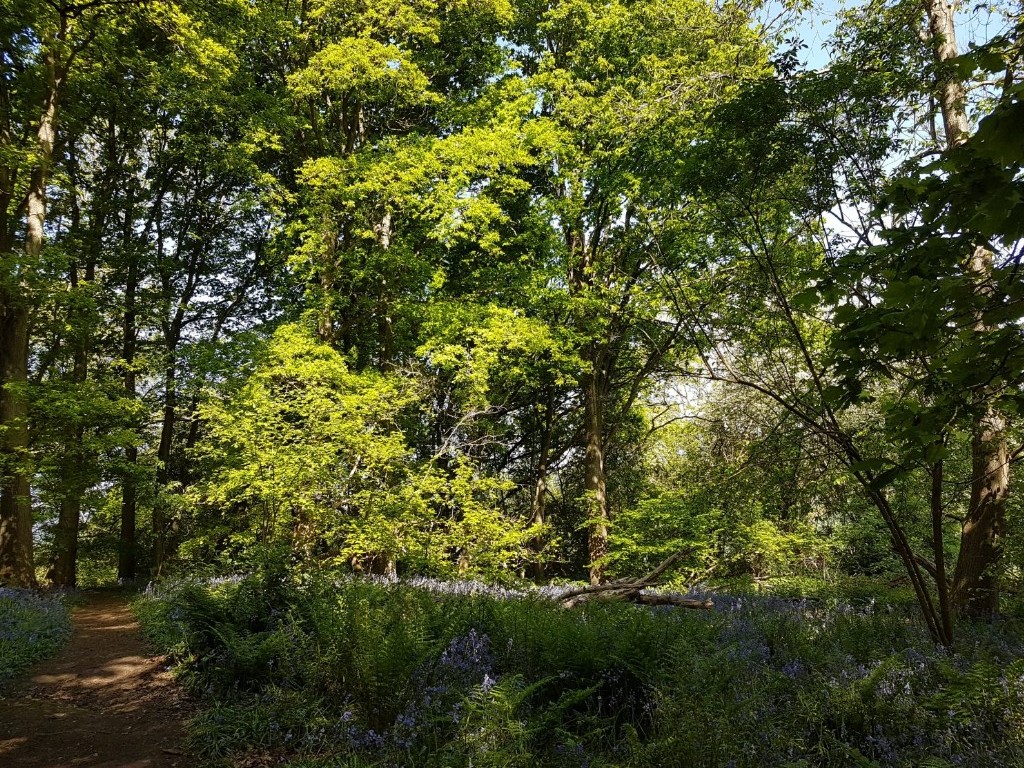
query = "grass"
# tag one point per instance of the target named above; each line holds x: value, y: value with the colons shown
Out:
x: 356, y: 673
x: 32, y: 627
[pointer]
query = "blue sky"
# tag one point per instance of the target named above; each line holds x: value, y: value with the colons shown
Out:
x: 975, y: 23
x: 815, y: 28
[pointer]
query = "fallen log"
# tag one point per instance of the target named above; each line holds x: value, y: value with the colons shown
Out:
x: 632, y: 590
x: 679, y: 601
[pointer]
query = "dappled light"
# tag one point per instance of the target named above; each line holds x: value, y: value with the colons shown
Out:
x: 105, y: 700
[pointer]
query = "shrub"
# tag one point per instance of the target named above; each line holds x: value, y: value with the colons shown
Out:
x: 32, y: 627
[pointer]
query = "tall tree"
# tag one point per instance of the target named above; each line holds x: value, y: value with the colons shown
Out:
x: 41, y: 44
x: 908, y: 265
x: 624, y: 92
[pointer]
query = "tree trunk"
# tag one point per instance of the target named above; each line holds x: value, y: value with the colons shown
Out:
x: 164, y: 459
x: 537, y: 518
x: 594, y: 478
x: 581, y: 259
x: 327, y: 277
x: 126, y: 547
x: 632, y: 590
x: 16, y: 566
x: 16, y: 562
x: 975, y: 589
x: 951, y: 92
x: 64, y: 569
x: 539, y: 513
x: 939, y: 554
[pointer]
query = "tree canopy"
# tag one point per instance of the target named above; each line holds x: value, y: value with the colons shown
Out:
x: 514, y: 290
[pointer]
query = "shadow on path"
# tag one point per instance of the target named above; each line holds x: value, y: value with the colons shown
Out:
x: 103, y: 702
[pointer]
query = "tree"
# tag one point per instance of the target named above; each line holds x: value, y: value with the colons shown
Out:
x: 623, y: 91
x: 952, y: 255
x: 42, y: 44
x: 311, y: 455
x: 885, y: 350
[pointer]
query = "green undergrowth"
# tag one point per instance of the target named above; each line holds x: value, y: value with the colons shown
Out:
x: 839, y: 589
x: 32, y: 627
x: 359, y: 674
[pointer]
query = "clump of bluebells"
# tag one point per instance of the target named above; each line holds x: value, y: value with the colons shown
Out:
x: 32, y: 627
x: 379, y: 673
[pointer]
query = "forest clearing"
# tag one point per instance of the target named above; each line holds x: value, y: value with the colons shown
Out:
x: 507, y: 383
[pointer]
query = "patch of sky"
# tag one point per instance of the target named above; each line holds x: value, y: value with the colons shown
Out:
x: 814, y: 25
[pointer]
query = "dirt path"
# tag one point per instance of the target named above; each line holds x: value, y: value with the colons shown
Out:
x: 103, y: 702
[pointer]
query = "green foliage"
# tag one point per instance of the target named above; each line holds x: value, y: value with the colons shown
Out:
x: 356, y: 673
x: 370, y: 286
x: 311, y: 456
x: 920, y: 297
x: 363, y: 70
x: 766, y: 548
x: 305, y: 440
x: 744, y: 490
x: 32, y: 627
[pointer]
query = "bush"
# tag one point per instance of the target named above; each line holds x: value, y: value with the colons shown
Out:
x: 32, y: 627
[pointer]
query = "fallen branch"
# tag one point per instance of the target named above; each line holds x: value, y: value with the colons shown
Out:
x: 632, y: 590
x: 679, y: 601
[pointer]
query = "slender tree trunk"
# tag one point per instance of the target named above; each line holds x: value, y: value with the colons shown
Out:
x: 939, y: 553
x: 975, y: 589
x: 164, y: 458
x: 537, y: 517
x: 126, y: 544
x: 64, y: 570
x: 327, y: 277
x: 594, y: 477
x: 385, y: 327
x: 191, y: 438
x: 539, y: 512
x: 126, y: 548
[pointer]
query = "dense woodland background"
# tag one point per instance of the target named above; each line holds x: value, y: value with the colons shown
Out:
x: 513, y: 290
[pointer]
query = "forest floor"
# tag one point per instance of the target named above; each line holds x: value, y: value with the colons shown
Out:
x: 103, y: 702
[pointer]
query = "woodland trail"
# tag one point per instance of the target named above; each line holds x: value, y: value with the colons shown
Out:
x: 103, y: 702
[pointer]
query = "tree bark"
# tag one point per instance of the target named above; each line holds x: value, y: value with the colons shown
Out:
x: 592, y: 390
x: 327, y: 277
x: 164, y: 458
x: 975, y: 590
x: 632, y: 590
x: 16, y: 566
x: 952, y: 95
x: 64, y: 569
x: 172, y: 329
x: 939, y: 553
